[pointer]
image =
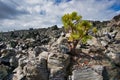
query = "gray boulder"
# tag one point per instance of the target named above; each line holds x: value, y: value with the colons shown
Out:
x: 36, y: 70
x: 2, y: 45
x: 117, y: 36
x: 104, y: 43
x: 57, y: 63
x: 58, y: 60
x: 85, y: 74
x: 93, y: 42
x: 3, y: 72
x: 19, y: 75
x: 9, y: 56
x: 115, y: 57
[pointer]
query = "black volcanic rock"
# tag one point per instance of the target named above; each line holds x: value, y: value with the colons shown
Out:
x: 42, y: 35
x: 117, y: 18
x: 55, y: 27
x: 2, y: 46
x: 99, y: 24
x: 115, y: 22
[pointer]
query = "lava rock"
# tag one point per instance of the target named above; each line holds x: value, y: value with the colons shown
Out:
x: 57, y: 63
x: 86, y: 74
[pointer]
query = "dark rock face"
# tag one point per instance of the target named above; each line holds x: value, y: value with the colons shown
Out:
x: 99, y: 24
x: 3, y: 71
x: 2, y: 46
x: 8, y: 58
x: 117, y: 18
x: 54, y: 27
x: 115, y: 22
x: 43, y: 35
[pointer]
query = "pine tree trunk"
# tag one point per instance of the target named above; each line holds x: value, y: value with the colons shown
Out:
x: 72, y: 47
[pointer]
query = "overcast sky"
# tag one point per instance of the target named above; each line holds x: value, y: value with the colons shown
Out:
x: 25, y: 14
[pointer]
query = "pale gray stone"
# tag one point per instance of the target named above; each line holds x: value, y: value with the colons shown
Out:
x: 85, y: 74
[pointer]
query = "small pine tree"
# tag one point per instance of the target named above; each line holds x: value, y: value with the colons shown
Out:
x: 77, y: 28
x: 94, y: 31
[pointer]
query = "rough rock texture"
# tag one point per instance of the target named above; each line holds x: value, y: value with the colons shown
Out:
x: 3, y: 71
x: 36, y: 70
x: 58, y: 63
x: 42, y: 54
x: 115, y: 22
x: 117, y: 36
x: 86, y: 74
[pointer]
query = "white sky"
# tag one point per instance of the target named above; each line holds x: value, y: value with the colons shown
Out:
x: 25, y: 14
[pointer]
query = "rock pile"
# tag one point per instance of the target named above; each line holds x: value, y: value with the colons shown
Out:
x: 33, y: 63
x: 43, y: 55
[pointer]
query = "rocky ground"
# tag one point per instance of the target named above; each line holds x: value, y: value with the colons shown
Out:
x: 43, y: 54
